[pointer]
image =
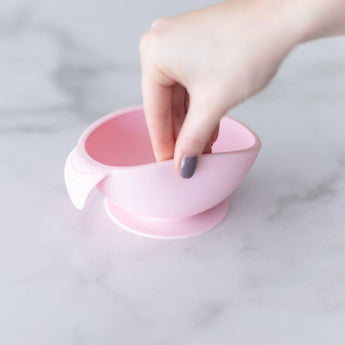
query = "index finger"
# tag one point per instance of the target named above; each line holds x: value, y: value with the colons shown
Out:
x: 157, y: 100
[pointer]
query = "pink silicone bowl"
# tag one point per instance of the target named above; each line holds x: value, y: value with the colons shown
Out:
x: 150, y: 198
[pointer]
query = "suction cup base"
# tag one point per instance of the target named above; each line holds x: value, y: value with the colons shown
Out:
x: 172, y: 228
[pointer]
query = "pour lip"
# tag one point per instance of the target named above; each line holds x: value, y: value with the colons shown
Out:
x: 81, y: 145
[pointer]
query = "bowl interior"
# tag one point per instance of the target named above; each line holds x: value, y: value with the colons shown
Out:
x: 124, y: 140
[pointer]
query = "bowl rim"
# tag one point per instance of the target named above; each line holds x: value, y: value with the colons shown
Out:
x: 81, y: 144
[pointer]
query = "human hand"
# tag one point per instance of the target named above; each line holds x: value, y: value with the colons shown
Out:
x: 198, y: 65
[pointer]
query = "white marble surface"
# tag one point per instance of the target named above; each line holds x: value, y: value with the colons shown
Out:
x: 272, y: 273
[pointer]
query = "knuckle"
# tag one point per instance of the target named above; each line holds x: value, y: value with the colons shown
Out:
x: 152, y: 40
x: 148, y: 42
x: 144, y: 42
x: 157, y: 23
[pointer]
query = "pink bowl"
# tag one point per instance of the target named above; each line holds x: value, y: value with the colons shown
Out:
x: 147, y: 197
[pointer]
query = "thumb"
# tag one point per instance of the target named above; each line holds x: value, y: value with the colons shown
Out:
x: 195, y: 134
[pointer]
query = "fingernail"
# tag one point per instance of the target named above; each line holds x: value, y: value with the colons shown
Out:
x: 187, y: 166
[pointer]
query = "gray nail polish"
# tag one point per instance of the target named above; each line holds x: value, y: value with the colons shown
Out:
x: 187, y: 166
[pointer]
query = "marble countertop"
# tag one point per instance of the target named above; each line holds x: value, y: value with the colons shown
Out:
x: 272, y: 273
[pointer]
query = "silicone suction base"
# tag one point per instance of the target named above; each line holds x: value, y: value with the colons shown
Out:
x: 168, y: 229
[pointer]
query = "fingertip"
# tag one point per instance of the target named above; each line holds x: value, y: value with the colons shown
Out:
x: 187, y: 166
x: 187, y: 155
x: 194, y: 138
x: 163, y: 150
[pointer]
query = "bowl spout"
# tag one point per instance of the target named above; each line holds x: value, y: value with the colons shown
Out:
x: 81, y: 177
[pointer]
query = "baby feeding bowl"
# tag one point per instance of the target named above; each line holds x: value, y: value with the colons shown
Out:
x: 150, y: 198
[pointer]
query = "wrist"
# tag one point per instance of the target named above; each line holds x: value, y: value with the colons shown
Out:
x: 319, y: 18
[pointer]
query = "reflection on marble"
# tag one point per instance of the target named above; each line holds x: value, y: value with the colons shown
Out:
x: 272, y: 273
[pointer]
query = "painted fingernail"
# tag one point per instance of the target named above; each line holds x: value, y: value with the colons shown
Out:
x: 187, y: 166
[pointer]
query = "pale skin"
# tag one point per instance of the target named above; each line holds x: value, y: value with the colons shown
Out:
x: 198, y: 65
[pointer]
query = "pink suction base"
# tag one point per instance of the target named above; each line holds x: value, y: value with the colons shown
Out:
x: 168, y: 229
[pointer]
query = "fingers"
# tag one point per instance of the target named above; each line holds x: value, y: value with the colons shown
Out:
x: 180, y: 101
x: 199, y: 129
x: 157, y: 101
x: 178, y: 108
x: 172, y: 132
x: 159, y: 98
x: 214, y: 136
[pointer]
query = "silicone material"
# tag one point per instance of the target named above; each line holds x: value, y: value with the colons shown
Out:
x: 115, y: 155
x: 179, y: 228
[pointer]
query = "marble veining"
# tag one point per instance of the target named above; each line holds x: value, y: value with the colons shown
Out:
x: 272, y: 273
x: 318, y: 192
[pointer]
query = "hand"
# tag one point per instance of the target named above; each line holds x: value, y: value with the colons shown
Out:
x: 198, y: 65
